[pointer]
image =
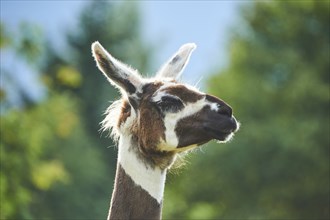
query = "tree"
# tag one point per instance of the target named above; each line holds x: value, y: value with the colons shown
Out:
x: 277, y: 81
x: 30, y: 166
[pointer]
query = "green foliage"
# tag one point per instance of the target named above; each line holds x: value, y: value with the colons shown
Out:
x: 68, y: 76
x: 87, y: 173
x: 38, y: 147
x: 23, y: 145
x: 277, y: 81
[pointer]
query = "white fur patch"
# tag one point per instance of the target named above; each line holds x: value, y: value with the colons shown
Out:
x: 214, y: 106
x: 161, y: 94
x: 150, y: 179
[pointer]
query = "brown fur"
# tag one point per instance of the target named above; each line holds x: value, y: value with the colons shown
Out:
x: 148, y: 129
x: 152, y: 157
x: 183, y: 93
x: 138, y: 203
x: 124, y: 113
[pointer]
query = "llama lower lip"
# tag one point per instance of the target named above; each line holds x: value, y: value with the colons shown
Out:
x: 222, y: 136
x: 218, y: 135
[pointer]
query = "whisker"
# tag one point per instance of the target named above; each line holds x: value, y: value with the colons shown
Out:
x: 198, y: 81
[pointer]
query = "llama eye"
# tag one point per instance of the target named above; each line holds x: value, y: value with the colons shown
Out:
x: 170, y: 104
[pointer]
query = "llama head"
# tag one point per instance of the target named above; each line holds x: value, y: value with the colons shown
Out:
x: 160, y: 114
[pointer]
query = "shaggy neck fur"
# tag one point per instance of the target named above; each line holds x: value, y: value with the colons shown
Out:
x: 139, y: 187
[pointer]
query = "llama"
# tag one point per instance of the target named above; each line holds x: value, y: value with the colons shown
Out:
x: 155, y: 120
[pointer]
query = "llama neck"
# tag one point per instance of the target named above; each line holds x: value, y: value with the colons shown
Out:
x: 139, y: 188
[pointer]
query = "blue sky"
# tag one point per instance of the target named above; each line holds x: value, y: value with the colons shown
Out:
x: 165, y: 24
x: 206, y: 23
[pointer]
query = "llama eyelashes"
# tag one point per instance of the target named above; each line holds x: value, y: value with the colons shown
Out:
x: 170, y: 104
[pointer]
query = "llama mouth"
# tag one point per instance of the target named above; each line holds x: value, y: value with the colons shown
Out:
x: 221, y: 136
x: 223, y: 132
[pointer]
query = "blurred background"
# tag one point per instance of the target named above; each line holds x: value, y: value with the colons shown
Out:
x: 268, y: 59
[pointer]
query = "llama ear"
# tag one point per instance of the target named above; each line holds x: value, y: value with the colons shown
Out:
x: 119, y: 74
x: 176, y: 64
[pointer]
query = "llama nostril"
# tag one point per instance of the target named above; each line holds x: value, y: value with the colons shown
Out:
x: 225, y: 110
